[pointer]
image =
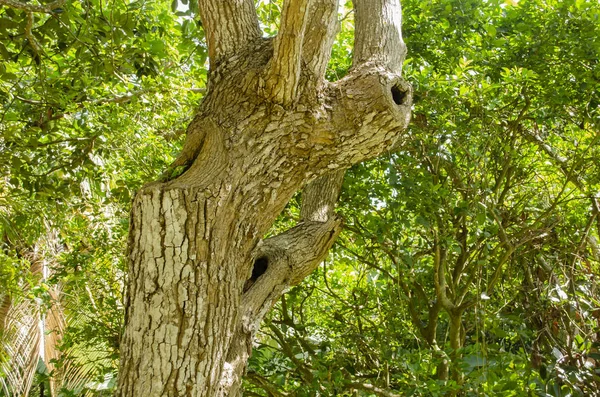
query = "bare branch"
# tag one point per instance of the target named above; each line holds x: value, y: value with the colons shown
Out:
x: 29, y: 34
x: 229, y: 26
x: 372, y: 388
x: 378, y: 35
x: 283, y: 71
x: 32, y: 7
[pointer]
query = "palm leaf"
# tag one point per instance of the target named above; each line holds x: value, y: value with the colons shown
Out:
x: 30, y: 331
x: 20, y: 342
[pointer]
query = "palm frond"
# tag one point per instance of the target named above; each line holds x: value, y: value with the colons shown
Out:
x: 54, y: 326
x: 31, y: 330
x: 20, y: 341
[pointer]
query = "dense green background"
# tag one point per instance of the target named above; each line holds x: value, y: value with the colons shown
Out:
x: 490, y: 192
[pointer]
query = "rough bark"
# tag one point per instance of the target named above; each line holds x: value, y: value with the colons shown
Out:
x: 378, y: 33
x: 283, y: 71
x: 29, y: 331
x: 201, y: 276
x: 230, y: 26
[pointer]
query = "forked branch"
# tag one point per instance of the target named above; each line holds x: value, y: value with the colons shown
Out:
x: 289, y: 257
x: 282, y: 261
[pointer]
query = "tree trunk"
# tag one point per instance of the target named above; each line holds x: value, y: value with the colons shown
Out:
x: 456, y: 343
x: 201, y: 277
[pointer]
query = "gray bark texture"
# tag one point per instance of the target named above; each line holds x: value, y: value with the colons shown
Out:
x: 201, y: 275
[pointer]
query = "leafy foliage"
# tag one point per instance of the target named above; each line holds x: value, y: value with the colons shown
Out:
x: 470, y: 257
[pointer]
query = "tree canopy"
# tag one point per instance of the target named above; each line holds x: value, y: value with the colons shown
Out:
x: 469, y: 259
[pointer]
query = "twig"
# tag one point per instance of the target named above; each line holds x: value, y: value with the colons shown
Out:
x: 32, y: 7
x: 29, y: 34
x: 374, y: 389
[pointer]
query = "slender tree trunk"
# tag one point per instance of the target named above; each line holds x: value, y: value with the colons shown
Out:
x: 201, y: 277
x: 456, y: 343
x: 448, y: 365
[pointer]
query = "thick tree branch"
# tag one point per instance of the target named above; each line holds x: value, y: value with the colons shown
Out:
x: 370, y: 108
x: 281, y: 261
x: 319, y: 37
x: 283, y: 71
x: 378, y: 35
x: 229, y: 26
x: 320, y: 196
x: 289, y: 258
x: 295, y: 253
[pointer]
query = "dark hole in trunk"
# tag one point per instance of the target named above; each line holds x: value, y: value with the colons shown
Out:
x: 398, y: 95
x: 258, y: 269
